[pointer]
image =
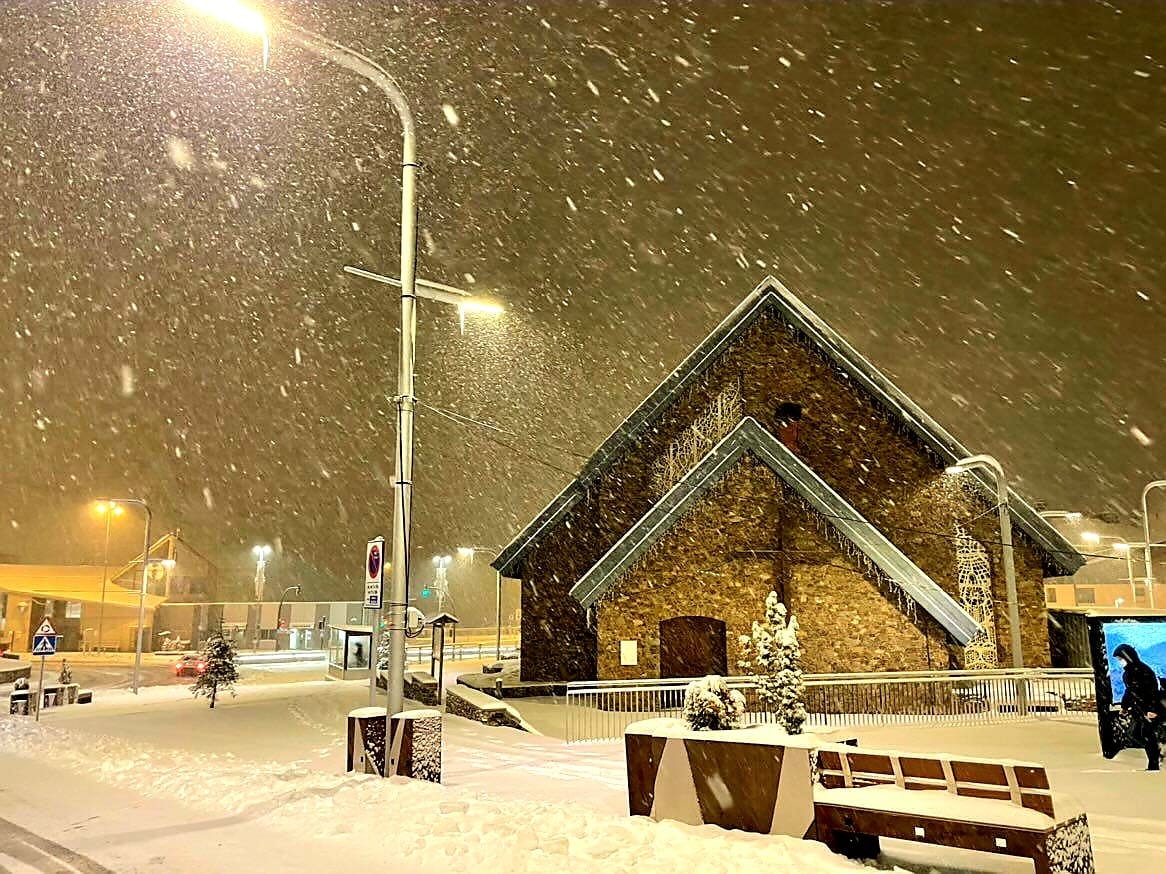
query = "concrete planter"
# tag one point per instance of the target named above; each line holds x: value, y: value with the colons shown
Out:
x: 755, y: 779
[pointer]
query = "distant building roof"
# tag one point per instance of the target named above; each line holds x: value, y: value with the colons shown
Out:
x: 773, y: 297
x: 751, y: 437
x: 73, y: 582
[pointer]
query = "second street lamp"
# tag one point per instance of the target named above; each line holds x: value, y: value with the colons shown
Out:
x: 145, y: 583
x: 108, y: 509
x: 238, y: 15
x: 990, y: 464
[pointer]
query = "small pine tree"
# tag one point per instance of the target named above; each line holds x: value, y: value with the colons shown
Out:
x: 773, y: 656
x: 710, y: 705
x: 66, y: 676
x: 219, y: 655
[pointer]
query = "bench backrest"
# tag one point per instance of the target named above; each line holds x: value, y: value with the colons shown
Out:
x: 1021, y: 783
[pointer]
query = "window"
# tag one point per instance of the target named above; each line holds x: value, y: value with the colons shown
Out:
x: 1086, y: 596
x: 1050, y: 595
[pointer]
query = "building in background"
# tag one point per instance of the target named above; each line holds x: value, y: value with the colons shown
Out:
x: 71, y: 597
x: 775, y: 457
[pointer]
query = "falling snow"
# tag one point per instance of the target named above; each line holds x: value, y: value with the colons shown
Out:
x: 176, y: 319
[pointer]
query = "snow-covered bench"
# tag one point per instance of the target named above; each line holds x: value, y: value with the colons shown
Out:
x: 993, y: 806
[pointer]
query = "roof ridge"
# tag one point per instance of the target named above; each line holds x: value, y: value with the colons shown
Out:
x: 770, y: 292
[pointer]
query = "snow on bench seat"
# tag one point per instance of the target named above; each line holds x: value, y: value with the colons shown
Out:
x: 938, y: 804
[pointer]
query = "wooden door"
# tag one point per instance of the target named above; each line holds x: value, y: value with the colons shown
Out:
x: 692, y: 646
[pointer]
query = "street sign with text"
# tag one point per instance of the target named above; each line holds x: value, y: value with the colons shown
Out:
x: 374, y: 573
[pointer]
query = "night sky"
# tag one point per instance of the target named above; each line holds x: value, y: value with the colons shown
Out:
x: 971, y: 193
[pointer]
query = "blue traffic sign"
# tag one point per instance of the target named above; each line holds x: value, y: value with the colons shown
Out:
x: 44, y: 644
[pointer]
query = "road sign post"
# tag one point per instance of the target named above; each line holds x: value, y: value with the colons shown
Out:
x: 44, y: 644
x: 374, y: 589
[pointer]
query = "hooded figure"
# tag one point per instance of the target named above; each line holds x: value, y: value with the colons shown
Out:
x: 1142, y: 700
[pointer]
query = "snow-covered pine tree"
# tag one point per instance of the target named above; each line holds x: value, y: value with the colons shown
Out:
x: 773, y: 656
x: 218, y: 654
x: 66, y: 675
x: 710, y: 705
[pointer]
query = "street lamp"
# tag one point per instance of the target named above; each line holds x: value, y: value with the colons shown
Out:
x: 441, y: 582
x: 145, y: 579
x: 990, y: 464
x: 108, y: 509
x: 468, y: 552
x: 261, y: 553
x: 279, y: 611
x: 248, y: 20
x: 1150, y: 486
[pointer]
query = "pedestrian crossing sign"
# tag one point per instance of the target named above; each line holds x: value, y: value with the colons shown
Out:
x: 44, y: 641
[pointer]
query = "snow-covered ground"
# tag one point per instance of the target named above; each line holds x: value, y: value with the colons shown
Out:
x: 163, y: 781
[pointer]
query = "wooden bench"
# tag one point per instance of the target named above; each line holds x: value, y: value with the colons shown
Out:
x: 976, y: 804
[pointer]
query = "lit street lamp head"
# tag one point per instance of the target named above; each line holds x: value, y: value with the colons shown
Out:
x: 955, y: 470
x: 236, y: 14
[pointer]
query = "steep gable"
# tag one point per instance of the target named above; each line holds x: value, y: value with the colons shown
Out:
x: 772, y: 298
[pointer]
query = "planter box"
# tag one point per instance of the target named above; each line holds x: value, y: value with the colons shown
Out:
x: 756, y: 779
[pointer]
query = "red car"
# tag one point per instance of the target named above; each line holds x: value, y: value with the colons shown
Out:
x: 189, y: 666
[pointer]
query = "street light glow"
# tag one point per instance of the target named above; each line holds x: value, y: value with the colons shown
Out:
x: 236, y: 14
x: 261, y: 552
x: 955, y: 470
x: 1091, y: 537
x: 1121, y: 546
x: 480, y: 306
x: 104, y: 507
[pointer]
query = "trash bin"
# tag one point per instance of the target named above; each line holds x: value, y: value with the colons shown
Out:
x: 366, y: 740
x: 18, y: 703
x: 414, y: 748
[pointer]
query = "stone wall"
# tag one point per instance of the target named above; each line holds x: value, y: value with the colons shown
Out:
x: 859, y: 449
x: 746, y: 538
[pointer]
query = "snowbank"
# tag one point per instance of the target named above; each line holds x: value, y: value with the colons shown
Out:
x: 421, y: 825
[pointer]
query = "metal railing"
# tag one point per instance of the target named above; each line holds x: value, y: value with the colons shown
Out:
x: 459, y: 652
x: 601, y: 710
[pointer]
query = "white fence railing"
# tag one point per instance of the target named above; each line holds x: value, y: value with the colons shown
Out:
x: 601, y: 710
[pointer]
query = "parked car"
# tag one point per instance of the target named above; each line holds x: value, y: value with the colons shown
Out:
x: 189, y: 666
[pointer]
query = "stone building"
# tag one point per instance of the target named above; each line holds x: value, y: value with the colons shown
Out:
x: 776, y: 457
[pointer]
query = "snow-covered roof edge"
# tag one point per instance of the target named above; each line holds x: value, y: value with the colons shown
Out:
x: 751, y: 436
x: 770, y: 293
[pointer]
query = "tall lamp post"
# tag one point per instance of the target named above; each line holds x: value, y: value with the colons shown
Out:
x: 468, y: 552
x: 261, y: 553
x: 990, y: 464
x: 108, y: 509
x: 240, y: 16
x: 1150, y: 486
x: 145, y: 582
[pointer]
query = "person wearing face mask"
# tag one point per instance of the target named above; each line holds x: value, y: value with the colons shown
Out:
x: 1142, y: 701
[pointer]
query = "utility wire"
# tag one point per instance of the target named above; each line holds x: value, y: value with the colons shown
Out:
x: 520, y: 452
x: 460, y: 419
x: 467, y: 420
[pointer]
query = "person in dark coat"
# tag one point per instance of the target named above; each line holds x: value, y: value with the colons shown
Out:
x: 1142, y: 700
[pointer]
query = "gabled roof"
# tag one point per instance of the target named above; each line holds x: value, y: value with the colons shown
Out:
x: 773, y: 297
x: 749, y: 436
